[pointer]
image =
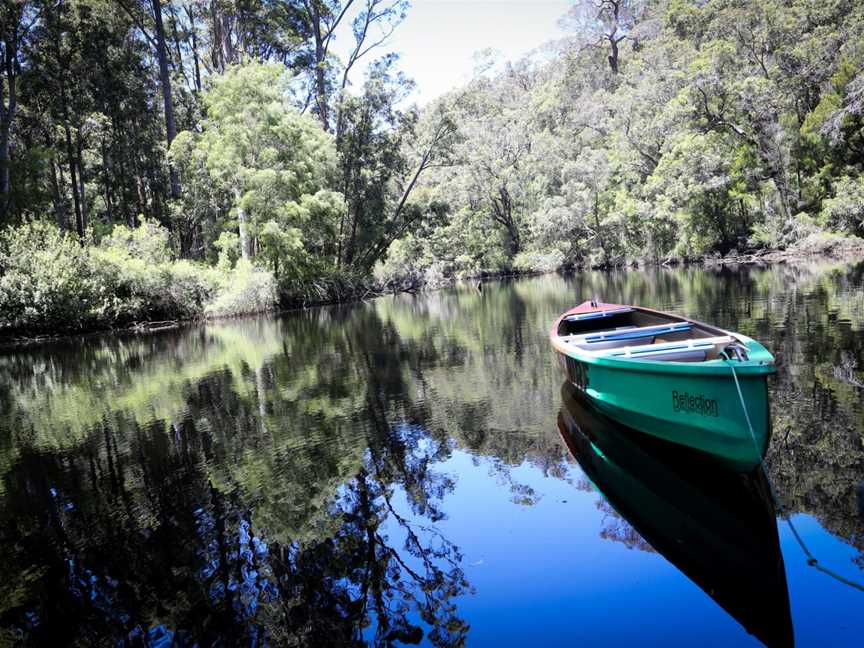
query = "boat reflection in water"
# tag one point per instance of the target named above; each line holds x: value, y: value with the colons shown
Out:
x: 716, y: 526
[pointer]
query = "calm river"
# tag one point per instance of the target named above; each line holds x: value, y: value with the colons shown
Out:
x: 410, y: 470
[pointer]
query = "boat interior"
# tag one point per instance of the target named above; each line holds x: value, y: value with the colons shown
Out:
x: 635, y: 334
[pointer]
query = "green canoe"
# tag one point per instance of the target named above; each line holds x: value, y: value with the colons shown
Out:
x: 670, y: 377
x: 717, y: 526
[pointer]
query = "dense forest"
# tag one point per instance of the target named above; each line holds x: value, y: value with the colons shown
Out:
x: 164, y: 160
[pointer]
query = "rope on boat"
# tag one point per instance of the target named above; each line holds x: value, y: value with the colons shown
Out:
x: 811, y: 559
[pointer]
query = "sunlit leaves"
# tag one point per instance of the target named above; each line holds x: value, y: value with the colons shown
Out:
x: 272, y: 161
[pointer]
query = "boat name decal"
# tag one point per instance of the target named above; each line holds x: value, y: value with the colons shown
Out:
x: 694, y: 404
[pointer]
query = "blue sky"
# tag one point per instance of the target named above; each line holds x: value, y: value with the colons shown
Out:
x: 438, y: 39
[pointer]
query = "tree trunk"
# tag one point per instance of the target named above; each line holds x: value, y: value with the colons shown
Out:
x: 5, y: 177
x: 7, y: 115
x: 57, y: 199
x: 352, y: 242
x: 599, y: 229
x: 320, y: 78
x: 106, y: 183
x: 194, y: 37
x: 216, y: 38
x: 339, y: 241
x: 321, y: 100
x: 613, y: 37
x: 613, y: 57
x: 128, y: 216
x: 176, y: 36
x: 243, y: 226
x: 72, y: 161
x: 229, y: 53
x: 79, y: 160
x: 165, y: 81
x: 502, y: 212
x: 140, y: 191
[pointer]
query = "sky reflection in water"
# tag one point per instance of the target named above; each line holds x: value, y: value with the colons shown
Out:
x: 393, y: 472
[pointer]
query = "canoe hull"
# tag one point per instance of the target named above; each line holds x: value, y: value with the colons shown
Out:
x: 697, y: 409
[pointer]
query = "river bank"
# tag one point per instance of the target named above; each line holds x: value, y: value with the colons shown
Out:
x: 821, y: 246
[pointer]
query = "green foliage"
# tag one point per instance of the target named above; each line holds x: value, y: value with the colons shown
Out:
x: 383, y: 151
x: 137, y: 290
x: 46, y: 279
x: 147, y: 242
x: 535, y: 261
x: 280, y: 247
x: 228, y: 245
x: 217, y: 126
x: 724, y: 126
x: 656, y: 130
x: 845, y: 211
x: 245, y: 290
x: 50, y: 282
x: 272, y: 163
x: 773, y: 232
x: 831, y: 101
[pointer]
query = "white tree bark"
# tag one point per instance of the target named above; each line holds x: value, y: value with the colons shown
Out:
x: 243, y: 223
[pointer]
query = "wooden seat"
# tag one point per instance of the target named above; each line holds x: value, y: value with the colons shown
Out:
x: 598, y: 339
x: 684, y: 351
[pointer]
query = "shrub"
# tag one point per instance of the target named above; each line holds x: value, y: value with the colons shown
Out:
x: 782, y: 233
x: 324, y: 283
x: 228, y: 245
x: 132, y: 287
x: 135, y: 269
x: 845, y: 211
x: 828, y: 244
x: 192, y: 287
x: 136, y: 291
x: 535, y: 261
x: 435, y: 275
x: 147, y: 242
x: 245, y: 289
x: 49, y: 282
x: 403, y: 264
x: 46, y: 279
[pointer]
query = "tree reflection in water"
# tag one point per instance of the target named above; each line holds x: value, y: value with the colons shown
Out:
x: 181, y: 561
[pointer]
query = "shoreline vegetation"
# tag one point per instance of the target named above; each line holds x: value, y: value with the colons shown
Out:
x: 161, y: 166
x: 818, y: 247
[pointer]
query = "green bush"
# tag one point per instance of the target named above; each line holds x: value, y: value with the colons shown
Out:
x: 317, y: 281
x: 845, y: 211
x: 49, y: 282
x: 535, y: 261
x: 46, y: 280
x: 136, y: 270
x: 245, y: 289
x: 779, y: 233
x: 141, y: 291
x: 147, y: 242
x: 194, y: 286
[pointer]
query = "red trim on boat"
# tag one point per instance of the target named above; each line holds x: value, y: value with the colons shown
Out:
x: 586, y: 307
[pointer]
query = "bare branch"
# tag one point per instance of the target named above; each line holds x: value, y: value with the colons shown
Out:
x: 137, y: 22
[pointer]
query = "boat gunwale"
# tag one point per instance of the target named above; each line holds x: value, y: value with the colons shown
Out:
x: 761, y: 361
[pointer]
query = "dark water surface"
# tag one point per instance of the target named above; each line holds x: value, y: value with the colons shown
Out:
x: 410, y: 470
